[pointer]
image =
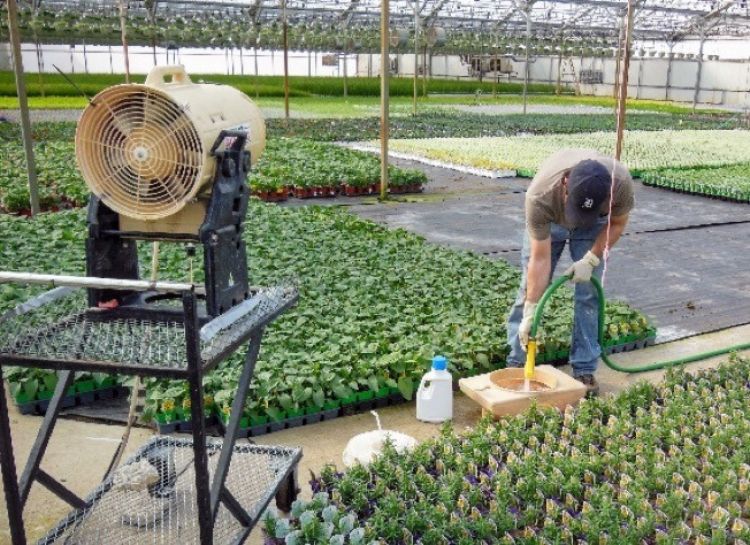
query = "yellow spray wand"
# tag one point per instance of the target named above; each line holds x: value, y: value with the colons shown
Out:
x: 532, y: 346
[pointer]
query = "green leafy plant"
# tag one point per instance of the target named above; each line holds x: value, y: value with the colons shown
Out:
x: 446, y: 123
x: 643, y: 150
x: 726, y: 182
x: 375, y: 304
x: 301, y: 163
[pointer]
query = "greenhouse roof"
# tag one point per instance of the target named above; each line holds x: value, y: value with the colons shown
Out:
x: 670, y: 20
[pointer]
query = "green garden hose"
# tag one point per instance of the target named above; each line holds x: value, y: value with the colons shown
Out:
x: 532, y: 345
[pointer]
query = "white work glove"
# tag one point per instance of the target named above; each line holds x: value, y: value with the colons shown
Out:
x: 525, y: 328
x: 583, y: 268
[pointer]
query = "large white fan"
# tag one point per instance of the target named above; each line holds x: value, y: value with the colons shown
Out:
x: 144, y: 150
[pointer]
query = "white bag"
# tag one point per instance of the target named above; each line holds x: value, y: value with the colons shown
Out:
x: 363, y: 448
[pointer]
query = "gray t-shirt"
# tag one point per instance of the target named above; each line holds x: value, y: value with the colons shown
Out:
x: 545, y: 203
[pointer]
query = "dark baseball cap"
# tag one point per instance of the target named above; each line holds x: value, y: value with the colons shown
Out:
x: 588, y: 188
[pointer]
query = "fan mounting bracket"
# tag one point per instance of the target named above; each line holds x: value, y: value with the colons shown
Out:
x: 215, y: 220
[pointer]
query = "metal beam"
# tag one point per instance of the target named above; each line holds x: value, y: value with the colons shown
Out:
x: 348, y: 13
x: 622, y: 98
x: 255, y: 11
x: 430, y: 19
x: 23, y: 104
x: 702, y: 23
x: 385, y: 73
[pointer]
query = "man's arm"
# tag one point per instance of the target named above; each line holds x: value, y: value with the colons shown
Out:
x: 617, y: 227
x: 539, y: 268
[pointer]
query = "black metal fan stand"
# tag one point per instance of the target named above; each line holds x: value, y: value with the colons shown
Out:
x: 158, y: 329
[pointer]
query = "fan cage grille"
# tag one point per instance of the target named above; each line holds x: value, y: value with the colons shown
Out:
x: 139, y: 152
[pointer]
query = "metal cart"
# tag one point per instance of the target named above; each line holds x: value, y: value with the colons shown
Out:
x: 199, y: 497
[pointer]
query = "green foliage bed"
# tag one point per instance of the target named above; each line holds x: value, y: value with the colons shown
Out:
x: 664, y: 464
x: 726, y: 182
x: 304, y: 163
x: 446, y: 124
x: 375, y: 306
x: 265, y: 86
x: 642, y: 150
x: 286, y: 162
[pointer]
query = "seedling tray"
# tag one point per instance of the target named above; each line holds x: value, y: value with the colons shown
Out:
x: 112, y: 515
x: 39, y: 406
x: 619, y: 345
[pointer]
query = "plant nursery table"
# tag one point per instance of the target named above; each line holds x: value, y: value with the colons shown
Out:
x: 207, y: 491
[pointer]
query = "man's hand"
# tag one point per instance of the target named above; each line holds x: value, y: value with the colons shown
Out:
x: 525, y: 328
x: 583, y: 268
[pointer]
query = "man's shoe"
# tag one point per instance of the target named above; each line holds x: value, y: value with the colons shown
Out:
x: 592, y: 387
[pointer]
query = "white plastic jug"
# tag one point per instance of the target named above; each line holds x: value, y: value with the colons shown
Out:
x: 435, y: 394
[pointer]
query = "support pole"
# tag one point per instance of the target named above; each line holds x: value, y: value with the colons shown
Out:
x: 495, y: 70
x: 699, y: 73
x: 346, y: 77
x: 618, y: 62
x: 416, y: 53
x: 286, y: 62
x: 424, y: 71
x: 623, y: 95
x: 641, y: 62
x: 558, y: 87
x: 40, y: 64
x: 670, y: 62
x: 385, y: 72
x: 526, y: 63
x: 23, y: 104
x: 124, y: 37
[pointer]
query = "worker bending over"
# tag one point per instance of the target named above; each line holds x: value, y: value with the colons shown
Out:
x: 569, y: 201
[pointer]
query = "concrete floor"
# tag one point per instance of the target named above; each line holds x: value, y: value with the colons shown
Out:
x: 683, y: 259
x: 80, y: 451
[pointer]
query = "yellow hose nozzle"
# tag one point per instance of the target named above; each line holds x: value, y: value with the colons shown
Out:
x: 528, y: 370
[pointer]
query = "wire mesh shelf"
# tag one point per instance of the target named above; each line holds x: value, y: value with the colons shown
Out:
x: 166, y: 511
x: 67, y: 333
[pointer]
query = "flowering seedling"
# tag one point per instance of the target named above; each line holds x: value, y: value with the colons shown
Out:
x: 594, y: 487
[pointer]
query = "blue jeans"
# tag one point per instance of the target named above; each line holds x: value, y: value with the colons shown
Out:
x: 585, y: 349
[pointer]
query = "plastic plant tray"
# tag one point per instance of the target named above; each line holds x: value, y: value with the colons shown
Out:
x: 136, y: 517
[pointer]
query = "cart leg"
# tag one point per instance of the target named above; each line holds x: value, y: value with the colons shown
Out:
x: 230, y: 437
x: 10, y: 479
x: 31, y: 470
x: 287, y: 492
x: 202, y: 486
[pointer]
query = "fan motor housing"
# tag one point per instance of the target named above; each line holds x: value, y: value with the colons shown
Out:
x: 145, y: 149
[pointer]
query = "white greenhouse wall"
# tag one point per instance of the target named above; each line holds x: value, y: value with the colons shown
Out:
x: 723, y: 82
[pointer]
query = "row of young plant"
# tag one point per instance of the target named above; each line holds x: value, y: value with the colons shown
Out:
x: 266, y: 86
x: 287, y: 164
x: 31, y: 389
x: 302, y: 164
x: 375, y: 305
x: 656, y: 464
x: 726, y: 182
x: 60, y: 184
x: 448, y: 124
x: 433, y: 122
x: 643, y: 150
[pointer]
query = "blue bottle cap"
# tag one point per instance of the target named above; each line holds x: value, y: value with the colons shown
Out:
x: 439, y: 363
